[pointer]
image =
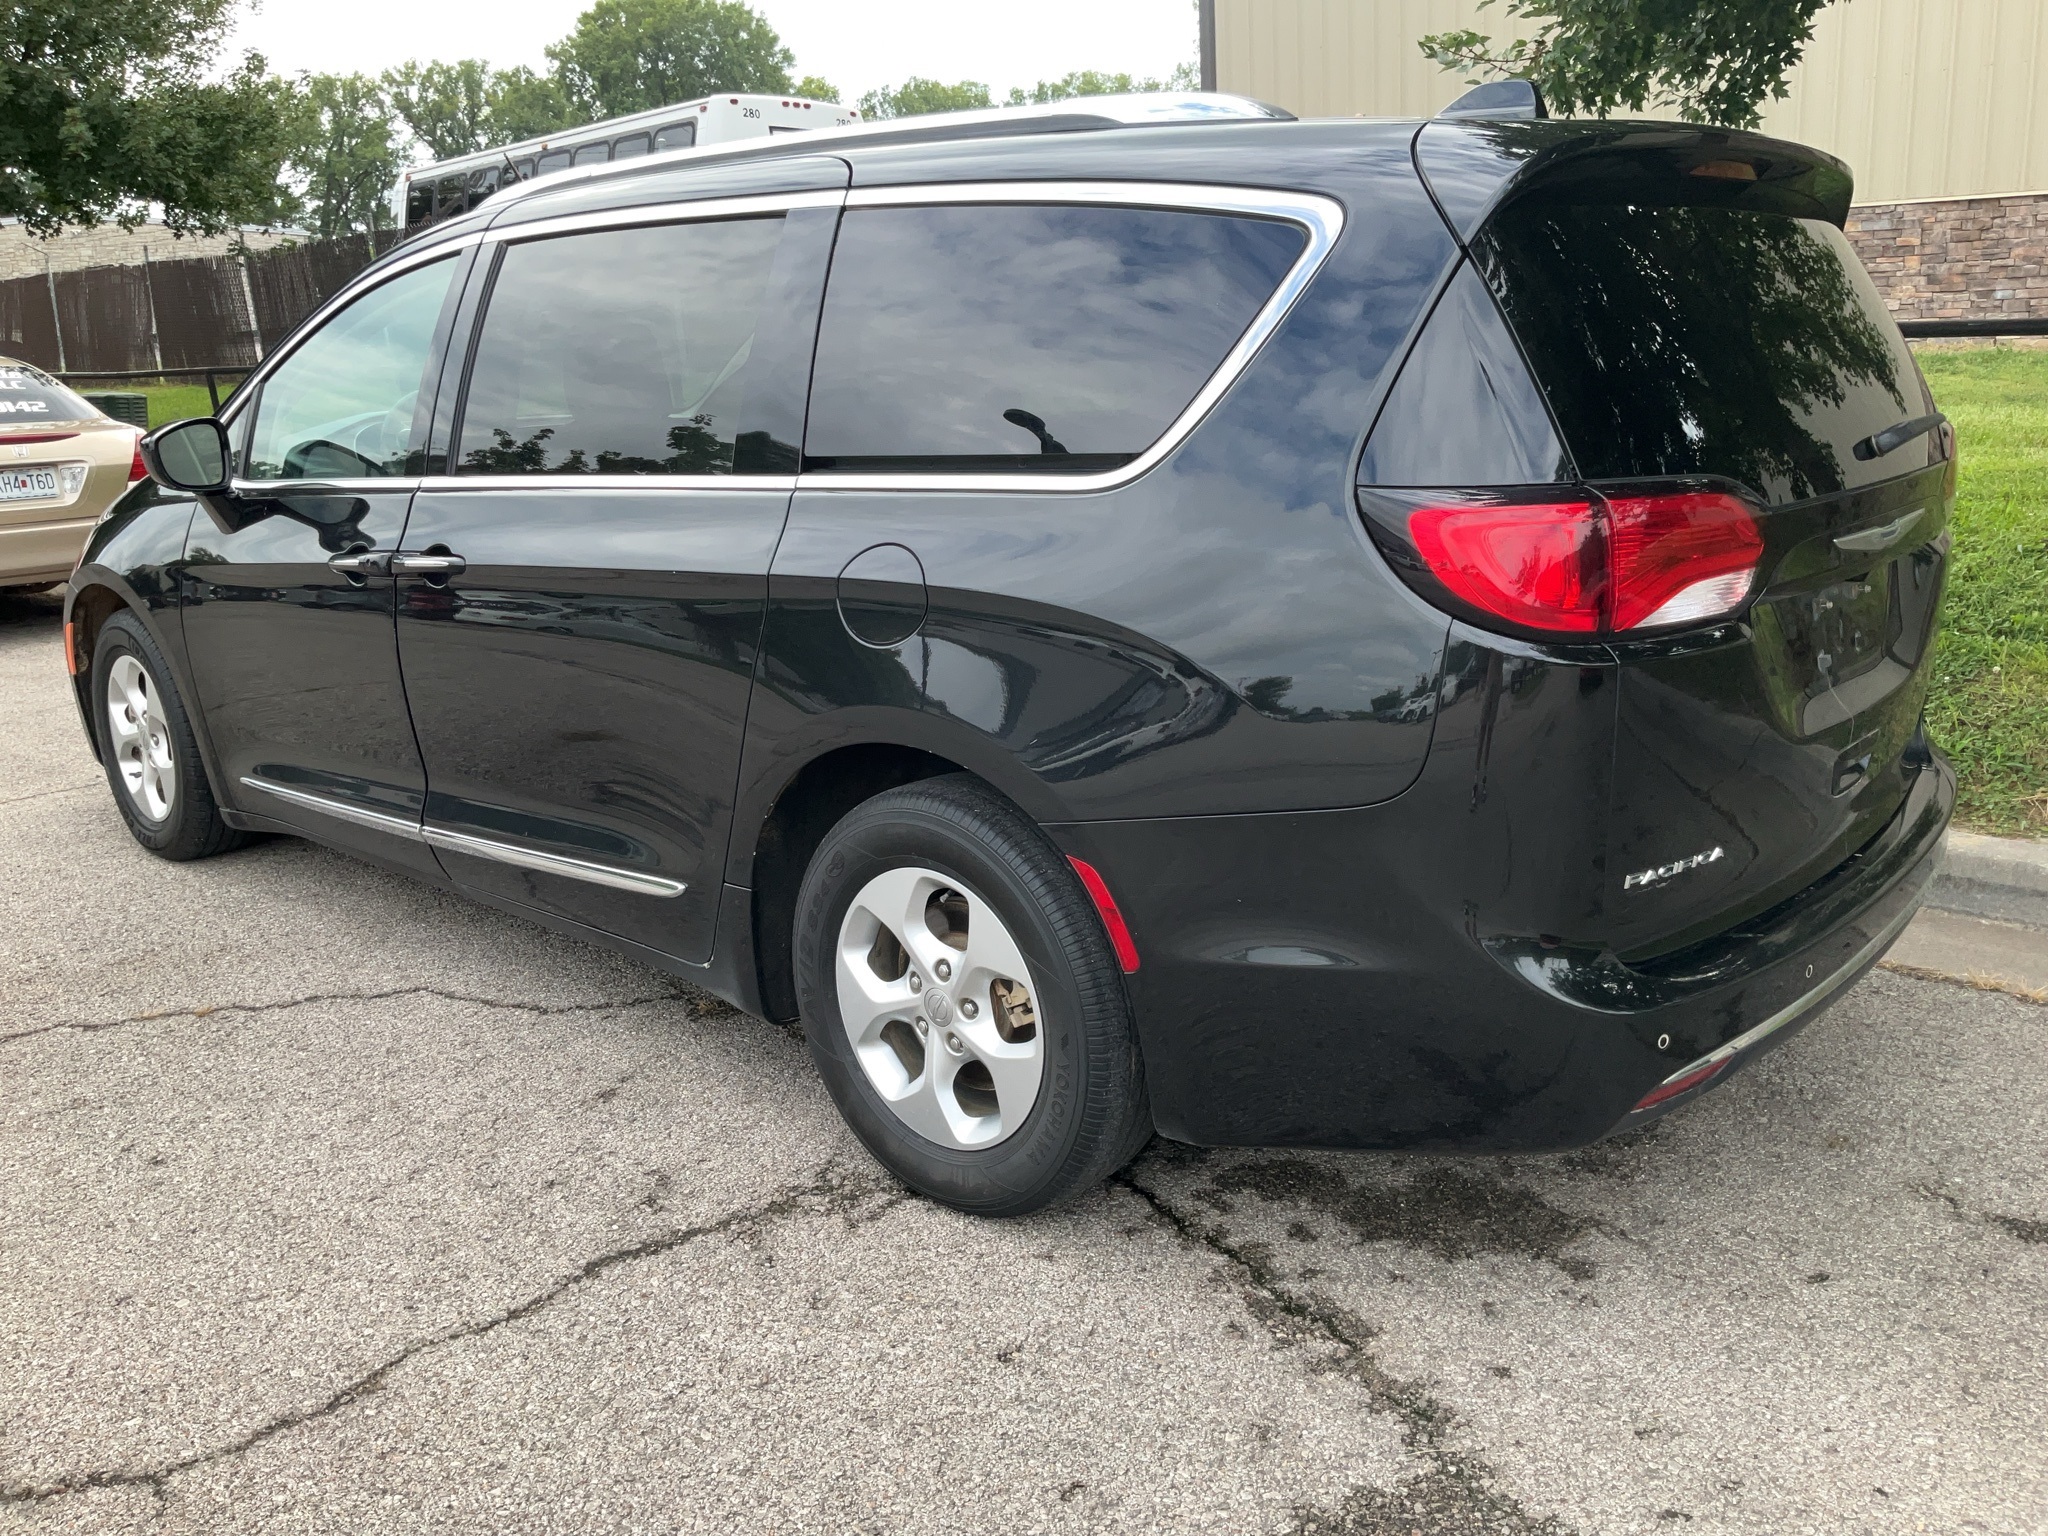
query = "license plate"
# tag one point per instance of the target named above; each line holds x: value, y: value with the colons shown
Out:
x: 27, y: 484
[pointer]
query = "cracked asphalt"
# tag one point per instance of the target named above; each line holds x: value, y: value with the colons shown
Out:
x: 331, y: 1203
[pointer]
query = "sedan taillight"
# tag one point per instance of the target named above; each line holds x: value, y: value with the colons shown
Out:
x: 1594, y: 564
x: 137, y: 470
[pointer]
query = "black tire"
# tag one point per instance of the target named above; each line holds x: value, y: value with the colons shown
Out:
x: 1091, y: 1115
x: 192, y: 827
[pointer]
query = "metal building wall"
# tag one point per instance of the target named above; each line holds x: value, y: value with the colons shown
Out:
x: 1923, y: 98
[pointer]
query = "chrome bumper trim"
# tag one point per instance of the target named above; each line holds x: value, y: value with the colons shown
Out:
x: 1805, y: 1004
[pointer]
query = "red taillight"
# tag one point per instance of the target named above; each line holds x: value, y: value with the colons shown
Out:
x: 1600, y: 565
x: 1539, y: 566
x: 1685, y: 1082
x: 1119, y: 932
x: 136, y: 468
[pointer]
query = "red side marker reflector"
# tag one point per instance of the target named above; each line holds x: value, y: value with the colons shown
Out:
x: 1678, y: 1085
x: 1112, y: 919
x: 70, y: 650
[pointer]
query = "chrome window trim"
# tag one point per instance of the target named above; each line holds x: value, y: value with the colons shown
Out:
x: 462, y: 842
x: 781, y: 485
x: 552, y: 863
x: 679, y: 211
x: 1321, y: 217
x: 303, y: 331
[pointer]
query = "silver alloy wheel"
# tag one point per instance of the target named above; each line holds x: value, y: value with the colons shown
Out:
x: 141, y: 738
x: 940, y: 1008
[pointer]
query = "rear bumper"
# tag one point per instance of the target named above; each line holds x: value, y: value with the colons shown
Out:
x: 44, y: 550
x: 1327, y: 979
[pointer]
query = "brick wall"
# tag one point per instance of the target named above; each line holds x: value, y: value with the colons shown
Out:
x: 1971, y: 258
x: 108, y: 245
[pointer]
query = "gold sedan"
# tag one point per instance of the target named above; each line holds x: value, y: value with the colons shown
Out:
x: 62, y: 464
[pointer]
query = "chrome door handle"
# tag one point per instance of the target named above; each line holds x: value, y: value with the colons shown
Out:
x: 362, y: 562
x: 428, y: 565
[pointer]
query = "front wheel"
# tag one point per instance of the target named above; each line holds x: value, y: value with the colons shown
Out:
x: 146, y: 744
x: 962, y: 1002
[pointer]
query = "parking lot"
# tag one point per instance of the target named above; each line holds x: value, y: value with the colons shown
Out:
x: 335, y: 1203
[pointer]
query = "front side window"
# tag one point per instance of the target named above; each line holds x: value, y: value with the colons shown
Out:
x: 619, y: 352
x: 341, y: 406
x: 1033, y: 338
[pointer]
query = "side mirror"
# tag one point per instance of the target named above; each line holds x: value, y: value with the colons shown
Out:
x: 188, y: 455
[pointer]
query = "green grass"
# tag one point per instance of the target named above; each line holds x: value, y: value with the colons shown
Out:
x: 1989, y: 707
x: 167, y: 402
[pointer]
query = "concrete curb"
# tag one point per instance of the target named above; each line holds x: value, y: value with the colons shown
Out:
x: 2001, y: 877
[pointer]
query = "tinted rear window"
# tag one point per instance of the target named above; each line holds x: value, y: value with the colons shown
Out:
x: 1700, y: 340
x: 1028, y: 338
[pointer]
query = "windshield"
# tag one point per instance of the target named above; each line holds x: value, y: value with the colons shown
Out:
x: 1703, y: 340
x: 30, y: 395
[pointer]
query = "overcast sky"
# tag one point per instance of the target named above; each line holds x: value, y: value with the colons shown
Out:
x: 855, y: 44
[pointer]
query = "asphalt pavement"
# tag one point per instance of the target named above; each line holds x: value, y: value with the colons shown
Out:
x: 329, y: 1202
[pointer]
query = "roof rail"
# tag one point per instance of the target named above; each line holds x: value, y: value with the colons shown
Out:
x: 1076, y: 114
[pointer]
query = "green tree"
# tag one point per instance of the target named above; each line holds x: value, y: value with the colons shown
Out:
x: 632, y: 55
x: 1715, y: 61
x: 348, y: 154
x: 457, y: 109
x: 917, y: 96
x: 106, y: 109
x: 525, y: 105
x: 1091, y: 82
x: 813, y: 88
x: 447, y: 107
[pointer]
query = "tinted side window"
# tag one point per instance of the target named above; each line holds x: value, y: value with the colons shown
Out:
x: 676, y: 136
x: 341, y: 406
x: 553, y: 160
x: 593, y: 154
x: 632, y: 144
x: 620, y: 352
x: 1028, y: 338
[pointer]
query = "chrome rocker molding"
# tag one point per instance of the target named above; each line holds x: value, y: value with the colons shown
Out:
x: 477, y: 847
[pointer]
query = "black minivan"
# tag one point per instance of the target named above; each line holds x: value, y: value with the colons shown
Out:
x: 1344, y: 634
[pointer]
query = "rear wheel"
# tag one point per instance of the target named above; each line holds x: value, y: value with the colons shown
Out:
x: 962, y: 1002
x: 146, y: 744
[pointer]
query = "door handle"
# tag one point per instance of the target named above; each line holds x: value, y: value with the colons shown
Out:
x: 362, y: 562
x: 428, y: 565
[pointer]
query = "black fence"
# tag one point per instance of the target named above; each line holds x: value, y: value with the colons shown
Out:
x: 202, y: 312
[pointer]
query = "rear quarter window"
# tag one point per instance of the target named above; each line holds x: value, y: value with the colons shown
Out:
x: 1028, y: 338
x: 1704, y: 340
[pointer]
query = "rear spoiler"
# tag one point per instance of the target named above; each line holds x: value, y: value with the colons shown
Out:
x: 1474, y: 165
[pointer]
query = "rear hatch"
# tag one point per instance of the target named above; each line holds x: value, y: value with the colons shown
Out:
x: 1690, y: 334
